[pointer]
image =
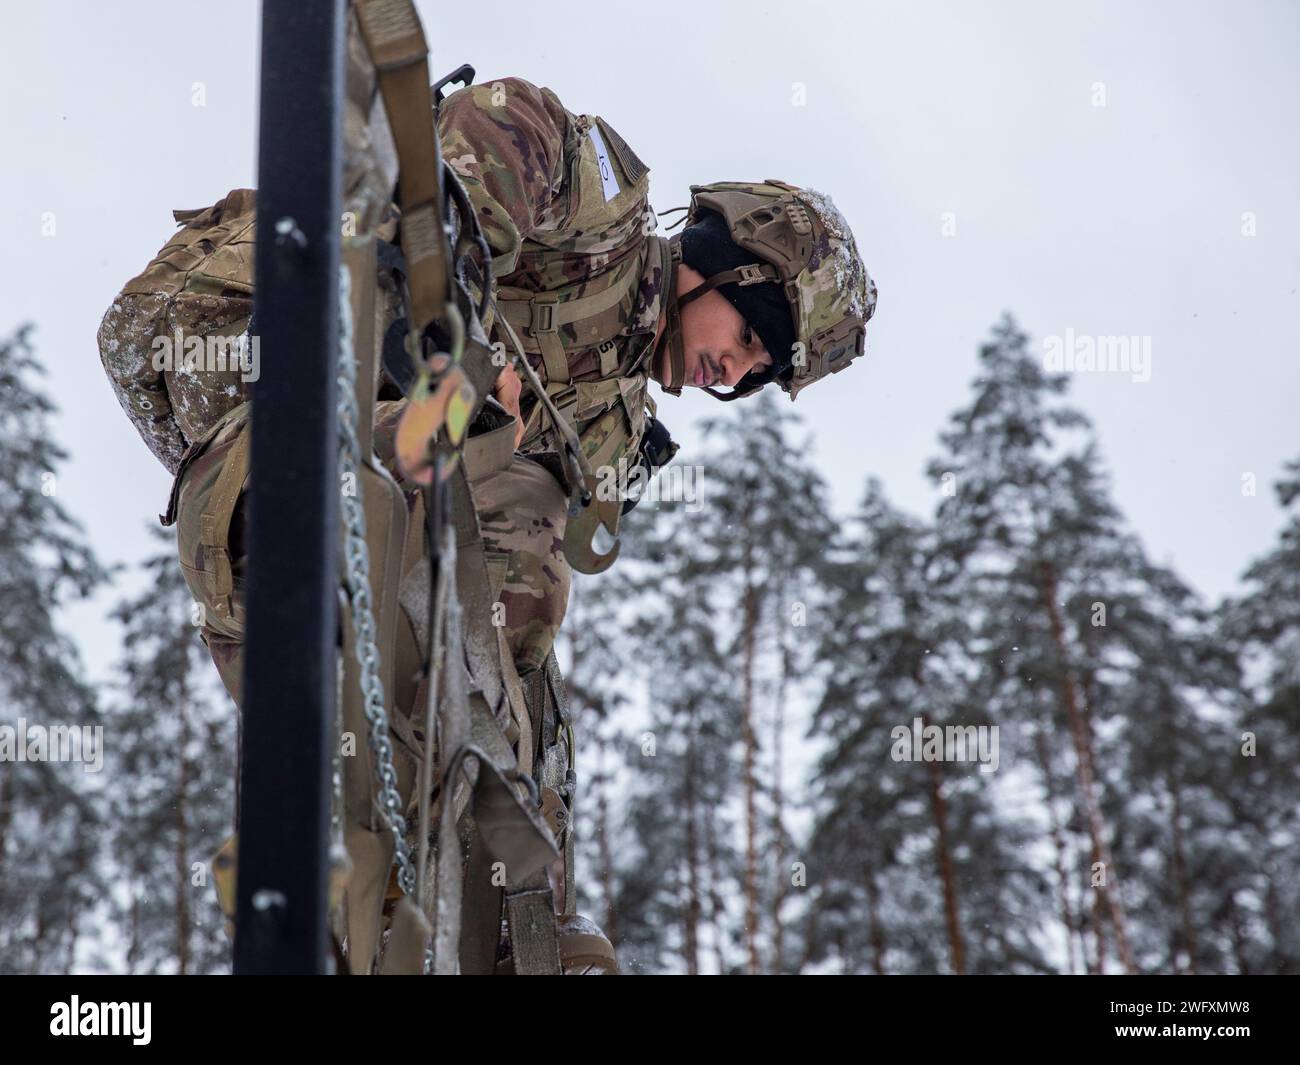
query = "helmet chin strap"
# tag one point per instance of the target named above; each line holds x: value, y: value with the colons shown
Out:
x: 735, y: 393
x: 672, y: 341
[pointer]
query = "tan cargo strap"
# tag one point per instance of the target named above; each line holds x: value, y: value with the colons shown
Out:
x: 580, y: 952
x: 564, y: 728
x: 548, y: 704
x: 215, y: 525
x: 480, y: 930
x: 495, y: 673
x: 452, y: 722
x: 400, y: 53
x: 534, y: 936
x: 544, y: 328
x: 411, y: 929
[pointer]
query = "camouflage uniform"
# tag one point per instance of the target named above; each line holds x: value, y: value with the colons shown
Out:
x: 582, y: 284
x: 562, y: 202
x: 555, y: 226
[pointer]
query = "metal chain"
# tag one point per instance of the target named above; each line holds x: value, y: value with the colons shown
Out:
x: 358, y: 580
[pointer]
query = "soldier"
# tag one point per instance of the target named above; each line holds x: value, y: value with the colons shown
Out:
x: 767, y: 279
x: 764, y: 284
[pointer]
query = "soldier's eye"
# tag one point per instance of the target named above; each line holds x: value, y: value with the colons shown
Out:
x: 748, y: 335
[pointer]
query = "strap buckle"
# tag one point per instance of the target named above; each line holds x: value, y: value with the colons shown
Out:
x: 750, y: 274
x: 543, y: 317
x: 463, y: 74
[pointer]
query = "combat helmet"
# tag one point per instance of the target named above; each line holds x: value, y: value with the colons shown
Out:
x: 801, y: 242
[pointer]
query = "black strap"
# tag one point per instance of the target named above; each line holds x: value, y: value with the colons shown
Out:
x: 751, y: 274
x: 395, y: 358
x: 739, y: 392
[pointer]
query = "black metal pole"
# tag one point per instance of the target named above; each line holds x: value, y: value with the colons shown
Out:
x: 290, y: 652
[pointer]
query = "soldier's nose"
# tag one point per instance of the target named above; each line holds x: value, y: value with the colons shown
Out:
x: 732, y: 368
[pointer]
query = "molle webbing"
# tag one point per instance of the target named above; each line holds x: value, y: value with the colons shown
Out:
x: 211, y: 254
x: 593, y: 317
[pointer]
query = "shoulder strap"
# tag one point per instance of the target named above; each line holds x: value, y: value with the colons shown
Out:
x: 397, y: 46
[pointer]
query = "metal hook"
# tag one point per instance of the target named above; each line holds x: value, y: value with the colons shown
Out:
x: 580, y: 531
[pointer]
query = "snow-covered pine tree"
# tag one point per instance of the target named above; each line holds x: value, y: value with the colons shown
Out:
x: 601, y: 674
x: 1013, y: 521
x: 172, y: 773
x: 914, y: 867
x: 1264, y: 625
x: 1168, y: 691
x: 680, y: 865
x: 51, y: 813
x: 770, y: 530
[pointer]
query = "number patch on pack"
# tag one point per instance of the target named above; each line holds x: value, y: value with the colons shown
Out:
x: 608, y: 179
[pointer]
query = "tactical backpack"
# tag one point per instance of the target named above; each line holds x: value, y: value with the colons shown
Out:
x: 186, y: 313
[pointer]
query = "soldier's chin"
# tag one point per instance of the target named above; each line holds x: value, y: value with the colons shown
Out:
x: 693, y: 364
x: 664, y: 367
x: 663, y: 371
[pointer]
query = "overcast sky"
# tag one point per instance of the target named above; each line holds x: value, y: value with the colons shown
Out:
x: 1128, y: 218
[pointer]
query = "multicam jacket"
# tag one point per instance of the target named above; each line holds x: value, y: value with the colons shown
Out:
x: 562, y: 201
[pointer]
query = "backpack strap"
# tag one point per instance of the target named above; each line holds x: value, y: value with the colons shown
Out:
x: 569, y: 786
x: 400, y: 53
x: 534, y: 937
x: 480, y: 931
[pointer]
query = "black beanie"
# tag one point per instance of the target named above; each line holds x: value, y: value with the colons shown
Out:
x: 708, y: 249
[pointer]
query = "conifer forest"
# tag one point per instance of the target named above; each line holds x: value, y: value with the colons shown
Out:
x: 996, y: 737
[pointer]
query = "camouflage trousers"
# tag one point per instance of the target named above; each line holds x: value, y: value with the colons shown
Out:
x: 521, y: 511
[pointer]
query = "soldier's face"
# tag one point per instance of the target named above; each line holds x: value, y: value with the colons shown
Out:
x: 720, y: 347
